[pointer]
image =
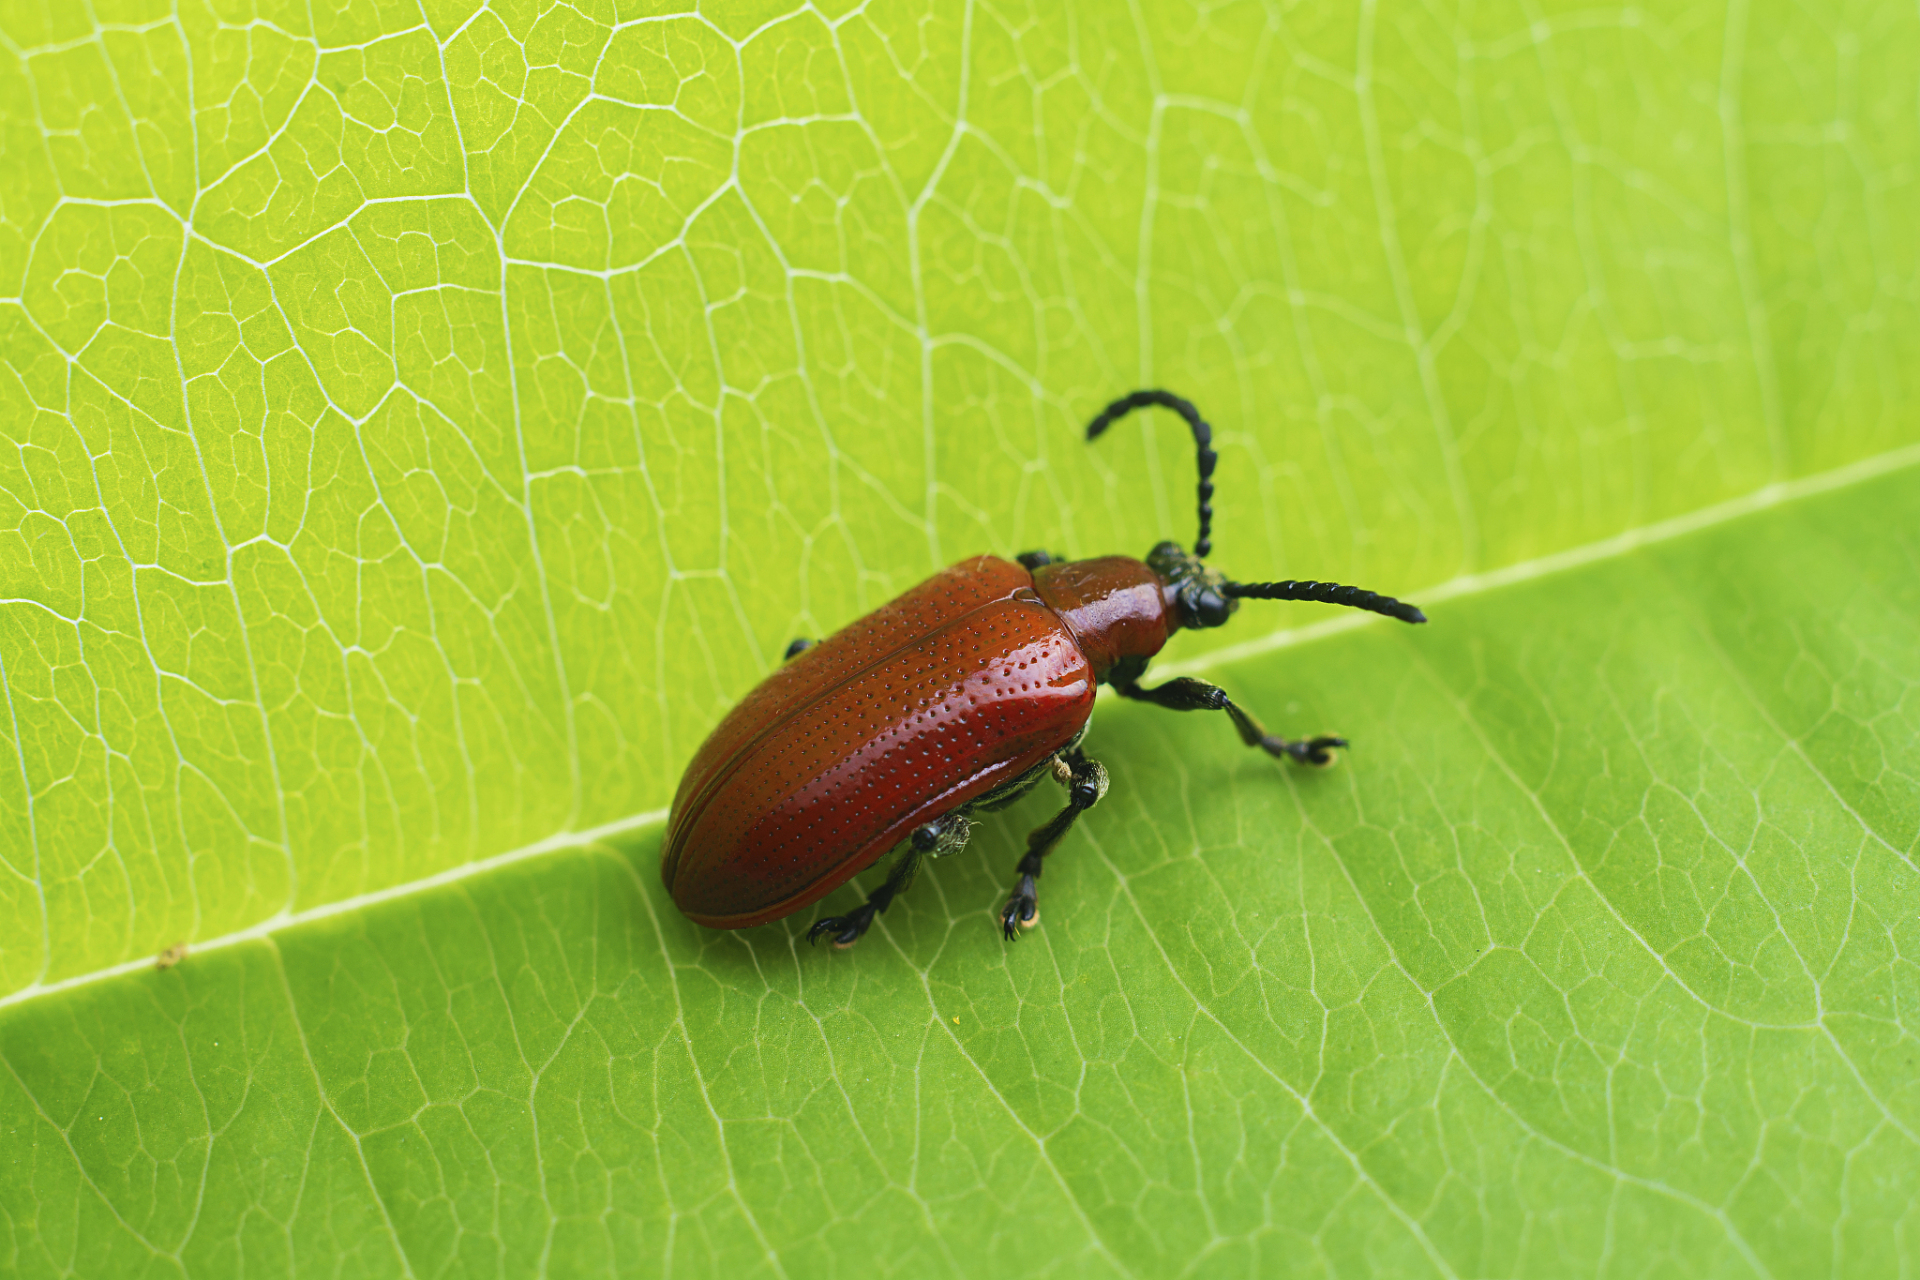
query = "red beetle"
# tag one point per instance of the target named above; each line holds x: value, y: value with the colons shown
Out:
x: 957, y: 698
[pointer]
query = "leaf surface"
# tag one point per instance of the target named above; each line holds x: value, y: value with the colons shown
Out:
x: 422, y: 422
x: 1592, y: 956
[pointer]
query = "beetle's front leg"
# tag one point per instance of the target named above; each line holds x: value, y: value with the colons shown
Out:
x: 1185, y: 694
x: 1085, y: 781
x: 944, y: 835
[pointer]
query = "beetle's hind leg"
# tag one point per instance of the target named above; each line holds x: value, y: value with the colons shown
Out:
x: 1031, y: 560
x: 1185, y: 694
x: 1085, y: 781
x: 797, y: 648
x: 944, y: 835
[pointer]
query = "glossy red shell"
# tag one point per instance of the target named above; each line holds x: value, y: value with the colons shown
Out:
x: 961, y: 684
x: 1115, y: 607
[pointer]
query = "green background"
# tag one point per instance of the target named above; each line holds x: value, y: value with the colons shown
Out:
x: 421, y: 423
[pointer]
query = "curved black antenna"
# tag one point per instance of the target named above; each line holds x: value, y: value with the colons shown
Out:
x: 1324, y: 593
x: 1202, y: 439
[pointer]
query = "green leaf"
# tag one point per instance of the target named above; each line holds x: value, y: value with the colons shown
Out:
x: 422, y: 422
x: 1593, y: 956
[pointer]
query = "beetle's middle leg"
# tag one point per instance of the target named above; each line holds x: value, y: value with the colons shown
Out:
x: 1185, y: 694
x: 944, y: 835
x: 1085, y: 781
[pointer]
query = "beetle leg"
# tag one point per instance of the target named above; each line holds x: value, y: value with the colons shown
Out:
x: 797, y: 648
x: 944, y: 835
x: 1033, y: 559
x: 1086, y: 782
x: 1186, y: 694
x: 847, y: 929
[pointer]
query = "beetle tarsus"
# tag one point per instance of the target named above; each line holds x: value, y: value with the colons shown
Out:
x: 1187, y: 694
x: 1022, y: 910
x: 846, y: 930
x: 1317, y: 752
x: 798, y: 647
x: 946, y: 834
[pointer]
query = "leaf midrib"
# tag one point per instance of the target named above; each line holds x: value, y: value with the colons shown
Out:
x: 1461, y: 587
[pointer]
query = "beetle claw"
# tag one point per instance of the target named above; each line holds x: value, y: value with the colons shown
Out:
x: 1022, y: 910
x: 1317, y: 752
x: 846, y: 930
x: 835, y: 925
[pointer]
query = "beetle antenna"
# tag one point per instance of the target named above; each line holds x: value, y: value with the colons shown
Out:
x: 1324, y: 593
x: 1202, y: 439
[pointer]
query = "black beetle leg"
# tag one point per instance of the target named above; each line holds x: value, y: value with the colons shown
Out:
x: 936, y: 839
x: 1031, y: 560
x: 797, y: 648
x: 1186, y: 694
x: 1085, y: 781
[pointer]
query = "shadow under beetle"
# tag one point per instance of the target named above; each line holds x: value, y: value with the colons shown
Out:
x: 957, y: 698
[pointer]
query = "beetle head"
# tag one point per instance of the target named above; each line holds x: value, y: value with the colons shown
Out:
x: 1200, y: 599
